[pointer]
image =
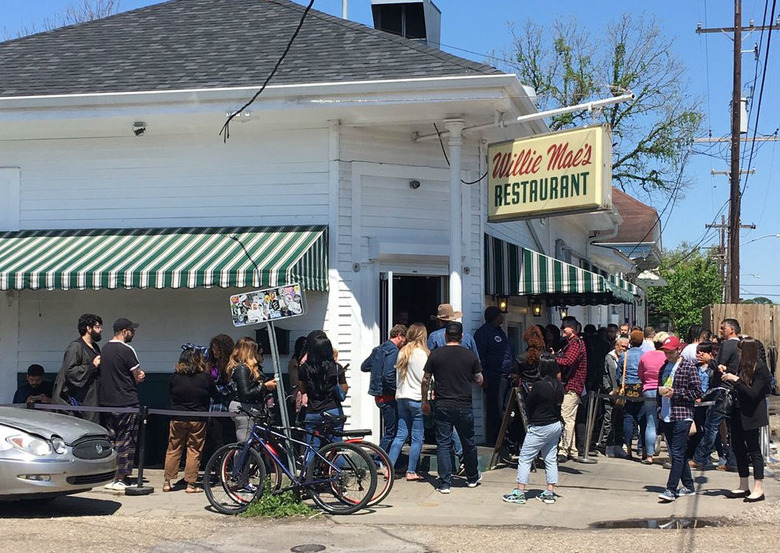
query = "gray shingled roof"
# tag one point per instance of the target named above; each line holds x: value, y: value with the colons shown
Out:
x: 185, y: 44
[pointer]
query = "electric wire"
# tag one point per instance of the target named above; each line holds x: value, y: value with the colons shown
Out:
x: 225, y: 132
x: 447, y: 159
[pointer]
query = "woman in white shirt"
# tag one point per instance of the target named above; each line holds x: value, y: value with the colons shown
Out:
x: 408, y: 377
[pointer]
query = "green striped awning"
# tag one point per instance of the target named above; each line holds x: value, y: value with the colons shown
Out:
x: 164, y: 258
x: 511, y: 270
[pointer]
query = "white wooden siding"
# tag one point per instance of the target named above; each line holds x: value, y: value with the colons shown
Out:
x: 149, y: 181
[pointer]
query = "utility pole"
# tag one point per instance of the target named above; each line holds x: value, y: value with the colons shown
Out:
x: 722, y: 264
x: 735, y: 199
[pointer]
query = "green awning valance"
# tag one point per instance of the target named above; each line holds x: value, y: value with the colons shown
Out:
x: 164, y: 258
x: 512, y: 270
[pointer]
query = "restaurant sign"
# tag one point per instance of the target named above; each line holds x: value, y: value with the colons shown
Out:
x: 563, y: 172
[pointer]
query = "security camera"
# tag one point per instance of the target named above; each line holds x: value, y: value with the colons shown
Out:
x: 414, y: 184
x: 139, y: 128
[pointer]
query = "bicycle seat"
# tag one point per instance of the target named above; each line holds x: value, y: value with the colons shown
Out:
x: 358, y: 433
x: 334, y: 419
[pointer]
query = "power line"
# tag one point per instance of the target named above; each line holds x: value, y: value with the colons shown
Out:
x: 225, y: 132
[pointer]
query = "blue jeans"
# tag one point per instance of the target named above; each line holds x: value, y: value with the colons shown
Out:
x: 410, y: 420
x: 709, y: 434
x: 630, y: 421
x: 310, y: 423
x: 542, y: 439
x: 648, y: 416
x: 677, y: 440
x: 389, y: 412
x: 462, y: 419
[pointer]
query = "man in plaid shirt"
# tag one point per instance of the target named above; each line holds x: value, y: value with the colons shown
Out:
x: 573, y: 361
x: 679, y: 387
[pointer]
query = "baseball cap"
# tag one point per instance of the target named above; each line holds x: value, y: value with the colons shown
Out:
x: 671, y: 343
x: 124, y: 324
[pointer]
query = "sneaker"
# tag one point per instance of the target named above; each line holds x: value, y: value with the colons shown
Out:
x: 682, y: 492
x: 461, y: 470
x: 116, y: 485
x: 546, y: 497
x: 476, y: 482
x: 667, y: 496
x: 515, y: 497
x: 443, y: 490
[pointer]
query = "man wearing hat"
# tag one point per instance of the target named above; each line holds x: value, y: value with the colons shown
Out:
x: 120, y: 374
x: 495, y: 354
x: 573, y: 361
x: 445, y: 314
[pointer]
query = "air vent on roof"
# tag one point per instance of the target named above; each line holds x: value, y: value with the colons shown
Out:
x: 414, y: 19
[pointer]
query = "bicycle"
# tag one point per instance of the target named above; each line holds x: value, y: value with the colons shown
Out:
x: 235, y: 475
x: 326, y: 431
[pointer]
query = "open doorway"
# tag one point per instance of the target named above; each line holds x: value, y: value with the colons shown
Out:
x: 410, y: 299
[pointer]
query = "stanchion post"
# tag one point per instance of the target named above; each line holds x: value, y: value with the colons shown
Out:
x: 591, y: 412
x: 139, y: 488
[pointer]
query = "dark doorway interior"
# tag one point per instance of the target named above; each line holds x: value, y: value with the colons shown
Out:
x: 415, y: 299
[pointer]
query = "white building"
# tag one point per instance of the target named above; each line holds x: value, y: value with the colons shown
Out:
x: 114, y: 124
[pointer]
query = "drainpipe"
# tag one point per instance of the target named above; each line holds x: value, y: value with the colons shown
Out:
x: 455, y: 142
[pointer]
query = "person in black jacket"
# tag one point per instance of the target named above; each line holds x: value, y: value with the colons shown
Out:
x: 77, y: 381
x: 244, y: 370
x: 751, y: 388
x: 191, y: 387
x: 545, y: 426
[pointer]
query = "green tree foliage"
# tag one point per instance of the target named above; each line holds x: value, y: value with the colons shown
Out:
x: 693, y: 283
x: 569, y: 64
x: 761, y: 300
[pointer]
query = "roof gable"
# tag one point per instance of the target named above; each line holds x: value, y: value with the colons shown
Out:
x: 193, y: 44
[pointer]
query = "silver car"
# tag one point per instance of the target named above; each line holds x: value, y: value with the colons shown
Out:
x: 44, y: 455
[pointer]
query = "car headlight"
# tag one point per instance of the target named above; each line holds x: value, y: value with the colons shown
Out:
x: 30, y: 444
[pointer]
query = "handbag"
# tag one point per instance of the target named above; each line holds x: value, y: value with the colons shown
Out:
x: 621, y: 401
x: 724, y: 403
x: 693, y: 429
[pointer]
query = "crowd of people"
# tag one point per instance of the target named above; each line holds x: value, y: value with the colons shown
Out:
x: 704, y: 394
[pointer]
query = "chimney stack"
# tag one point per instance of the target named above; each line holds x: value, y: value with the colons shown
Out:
x: 414, y: 19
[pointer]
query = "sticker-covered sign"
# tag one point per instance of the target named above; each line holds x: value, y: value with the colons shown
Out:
x: 270, y: 304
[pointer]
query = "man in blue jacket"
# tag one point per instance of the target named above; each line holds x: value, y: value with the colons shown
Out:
x: 495, y: 354
x: 381, y: 365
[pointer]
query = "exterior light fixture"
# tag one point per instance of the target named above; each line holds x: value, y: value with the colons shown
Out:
x: 536, y: 307
x: 503, y: 303
x: 564, y: 311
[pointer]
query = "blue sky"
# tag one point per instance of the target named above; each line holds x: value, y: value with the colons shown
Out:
x: 473, y: 32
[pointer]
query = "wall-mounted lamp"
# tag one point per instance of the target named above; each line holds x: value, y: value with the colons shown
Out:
x: 139, y: 128
x: 536, y: 307
x: 503, y: 303
x: 564, y: 311
x: 414, y: 184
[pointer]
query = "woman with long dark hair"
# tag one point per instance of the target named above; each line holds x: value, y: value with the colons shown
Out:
x: 409, y: 375
x: 751, y: 388
x: 191, y: 387
x: 545, y: 426
x: 323, y: 381
x: 221, y: 430
x: 245, y: 370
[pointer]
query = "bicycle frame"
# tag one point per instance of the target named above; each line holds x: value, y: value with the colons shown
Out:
x: 297, y: 481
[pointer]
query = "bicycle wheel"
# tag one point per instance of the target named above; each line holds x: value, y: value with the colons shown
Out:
x: 347, y: 478
x: 385, y: 472
x: 230, y: 488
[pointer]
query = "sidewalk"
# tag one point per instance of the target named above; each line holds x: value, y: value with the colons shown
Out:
x: 611, y: 490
